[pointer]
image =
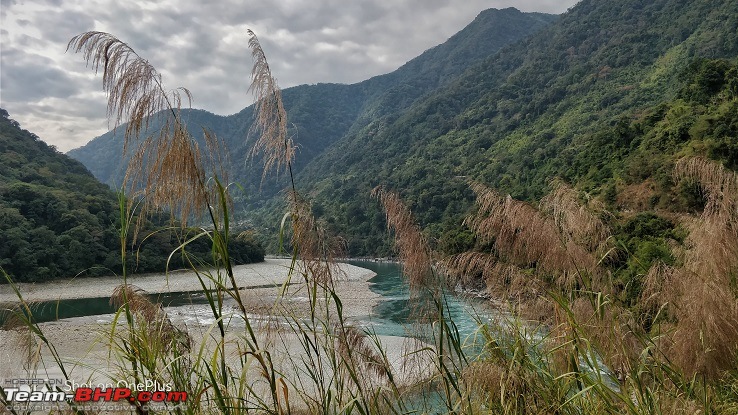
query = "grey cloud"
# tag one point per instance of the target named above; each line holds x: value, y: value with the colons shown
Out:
x: 130, y: 24
x: 203, y: 46
x: 28, y: 77
x: 26, y: 41
x: 60, y: 120
x: 58, y: 26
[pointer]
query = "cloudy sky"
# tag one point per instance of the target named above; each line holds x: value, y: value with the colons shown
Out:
x: 202, y: 45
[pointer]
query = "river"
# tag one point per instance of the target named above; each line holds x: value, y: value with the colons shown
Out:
x: 389, y: 317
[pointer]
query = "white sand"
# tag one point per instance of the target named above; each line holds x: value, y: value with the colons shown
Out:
x: 82, y: 342
x: 269, y: 272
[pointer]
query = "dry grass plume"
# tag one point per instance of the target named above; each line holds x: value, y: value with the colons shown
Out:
x: 166, y: 167
x: 698, y: 300
x: 413, y: 248
x: 525, y: 237
x: 270, y: 125
x: 151, y: 315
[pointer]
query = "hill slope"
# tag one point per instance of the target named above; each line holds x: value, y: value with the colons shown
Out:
x: 605, y: 97
x: 57, y: 220
x: 551, y: 105
x: 322, y: 114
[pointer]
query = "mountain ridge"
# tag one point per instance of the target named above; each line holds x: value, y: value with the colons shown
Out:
x: 523, y: 116
x: 318, y: 121
x: 572, y: 100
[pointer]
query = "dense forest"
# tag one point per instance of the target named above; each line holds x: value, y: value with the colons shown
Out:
x: 605, y: 97
x: 57, y: 220
x: 322, y: 115
x: 576, y: 101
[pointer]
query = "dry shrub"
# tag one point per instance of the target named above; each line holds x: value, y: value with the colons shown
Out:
x: 554, y: 249
x: 561, y: 342
x: 703, y: 302
x: 609, y: 329
x: 523, y: 236
x: 470, y: 267
x: 706, y: 334
x: 637, y: 197
x: 486, y: 378
x: 712, y: 249
x: 426, y: 286
x: 313, y: 245
x: 533, y: 251
x: 701, y: 320
x: 166, y: 170
x: 151, y: 315
x: 504, y: 282
x: 513, y: 382
x: 660, y: 290
x: 575, y: 221
x: 678, y: 405
x: 719, y: 186
x: 411, y: 244
x: 358, y: 351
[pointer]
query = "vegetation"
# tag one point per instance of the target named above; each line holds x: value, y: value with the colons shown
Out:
x: 617, y: 287
x: 58, y: 221
x: 607, y: 98
x: 671, y: 349
x: 53, y: 213
x: 323, y: 115
x: 342, y: 369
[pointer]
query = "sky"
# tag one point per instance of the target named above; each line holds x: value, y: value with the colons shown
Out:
x: 203, y: 46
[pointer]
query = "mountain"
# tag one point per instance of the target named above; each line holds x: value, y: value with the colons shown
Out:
x: 322, y: 114
x: 605, y: 97
x: 599, y: 98
x: 57, y: 220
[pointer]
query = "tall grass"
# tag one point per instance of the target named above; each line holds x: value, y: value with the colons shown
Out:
x: 429, y: 302
x: 567, y: 343
x: 589, y: 351
x: 246, y: 365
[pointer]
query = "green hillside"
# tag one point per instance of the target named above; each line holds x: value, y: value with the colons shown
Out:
x: 57, y: 220
x: 323, y: 114
x: 602, y: 98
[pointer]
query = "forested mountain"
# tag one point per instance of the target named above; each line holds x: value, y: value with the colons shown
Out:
x: 606, y: 98
x: 602, y: 98
x: 57, y: 220
x: 323, y: 114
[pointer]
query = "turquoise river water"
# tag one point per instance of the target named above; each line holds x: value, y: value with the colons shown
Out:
x: 389, y: 317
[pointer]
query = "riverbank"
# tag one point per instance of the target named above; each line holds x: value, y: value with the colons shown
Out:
x: 268, y: 273
x: 83, y: 342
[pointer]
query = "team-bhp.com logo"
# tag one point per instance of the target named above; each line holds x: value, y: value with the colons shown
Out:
x: 37, y: 392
